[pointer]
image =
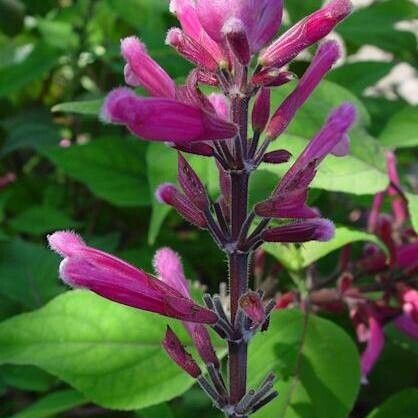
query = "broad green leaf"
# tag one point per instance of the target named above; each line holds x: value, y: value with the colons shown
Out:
x: 299, y: 257
x: 316, y: 363
x: 36, y: 66
x: 27, y: 378
x: 87, y: 107
x: 402, y: 129
x: 401, y: 405
x: 39, y: 220
x: 298, y: 10
x: 113, y: 168
x: 31, y: 129
x: 313, y: 251
x: 28, y: 273
x: 158, y: 411
x: 110, y: 353
x: 413, y: 209
x: 362, y: 172
x: 374, y: 25
x: 12, y: 13
x: 357, y: 76
x: 53, y: 404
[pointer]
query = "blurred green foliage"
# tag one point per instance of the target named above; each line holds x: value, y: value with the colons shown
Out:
x: 79, y: 355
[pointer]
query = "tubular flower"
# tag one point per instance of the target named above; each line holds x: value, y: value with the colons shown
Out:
x: 88, y: 268
x: 163, y: 119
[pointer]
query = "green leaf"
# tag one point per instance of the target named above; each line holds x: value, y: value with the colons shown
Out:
x: 113, y: 168
x: 12, y: 13
x: 374, y: 25
x: 298, y: 10
x: 313, y: 251
x: 362, y: 172
x: 87, y: 107
x: 36, y: 66
x: 28, y: 273
x: 109, y: 352
x: 158, y: 411
x: 53, y: 404
x: 401, y: 405
x: 402, y: 129
x: 297, y: 258
x: 317, y: 365
x: 39, y: 220
x: 357, y: 76
x: 27, y: 378
x: 413, y: 209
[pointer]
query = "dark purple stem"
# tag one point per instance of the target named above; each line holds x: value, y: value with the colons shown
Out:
x: 238, y: 260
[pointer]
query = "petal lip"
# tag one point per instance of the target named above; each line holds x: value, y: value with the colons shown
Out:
x: 65, y: 243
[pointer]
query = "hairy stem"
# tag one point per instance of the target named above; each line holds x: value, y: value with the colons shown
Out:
x: 238, y: 260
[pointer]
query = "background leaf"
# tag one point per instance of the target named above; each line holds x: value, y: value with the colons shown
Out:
x: 402, y: 405
x: 317, y: 366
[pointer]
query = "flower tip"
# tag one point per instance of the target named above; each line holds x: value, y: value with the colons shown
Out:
x: 233, y: 25
x: 325, y: 230
x: 167, y: 264
x: 341, y: 8
x: 163, y: 192
x: 174, y: 37
x: 131, y: 45
x: 111, y: 107
x: 65, y: 243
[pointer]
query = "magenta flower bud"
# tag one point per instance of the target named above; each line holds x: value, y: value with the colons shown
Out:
x: 261, y: 18
x: 87, y: 268
x: 277, y: 157
x: 236, y: 36
x: 375, y: 211
x: 407, y: 325
x: 253, y: 307
x: 196, y: 148
x: 342, y: 148
x: 203, y: 344
x: 7, y: 179
x: 185, y: 10
x: 142, y: 70
x: 324, y: 59
x: 375, y: 343
x: 312, y: 230
x: 168, y: 194
x: 272, y: 77
x: 261, y: 110
x: 176, y: 351
x: 286, y: 206
x: 192, y: 186
x: 305, y: 33
x: 161, y: 119
x: 190, y: 49
x: 399, y: 205
x: 169, y: 269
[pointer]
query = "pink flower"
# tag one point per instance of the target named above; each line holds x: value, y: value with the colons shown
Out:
x: 169, y: 269
x: 142, y: 70
x: 261, y: 19
x: 324, y: 59
x: 305, y: 33
x: 163, y: 119
x: 88, y: 268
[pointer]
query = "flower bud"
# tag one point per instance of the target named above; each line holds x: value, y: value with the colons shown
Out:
x: 174, y: 348
x: 313, y: 230
x: 203, y: 344
x: 277, y: 157
x: 236, y: 36
x: 168, y: 194
x: 253, y: 307
x: 272, y: 77
x: 190, y: 49
x: 191, y: 184
x: 261, y: 110
x: 305, y: 33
